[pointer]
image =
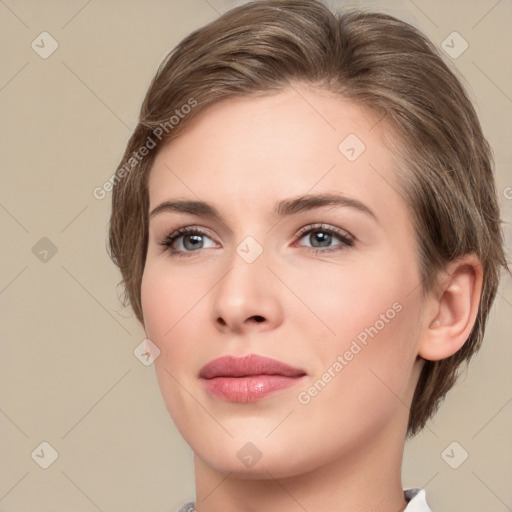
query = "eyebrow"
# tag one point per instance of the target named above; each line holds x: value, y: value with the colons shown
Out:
x: 282, y: 208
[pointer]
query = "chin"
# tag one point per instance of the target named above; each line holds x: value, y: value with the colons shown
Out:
x: 257, y: 461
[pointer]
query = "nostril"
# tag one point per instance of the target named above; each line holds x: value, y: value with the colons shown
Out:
x: 258, y: 318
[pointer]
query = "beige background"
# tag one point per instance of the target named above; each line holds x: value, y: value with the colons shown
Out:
x: 68, y: 373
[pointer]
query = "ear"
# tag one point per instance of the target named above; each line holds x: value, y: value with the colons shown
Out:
x: 453, y: 307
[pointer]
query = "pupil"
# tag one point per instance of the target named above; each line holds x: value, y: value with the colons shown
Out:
x: 195, y: 239
x: 320, y: 237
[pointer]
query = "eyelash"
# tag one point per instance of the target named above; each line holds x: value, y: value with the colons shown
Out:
x: 346, y: 239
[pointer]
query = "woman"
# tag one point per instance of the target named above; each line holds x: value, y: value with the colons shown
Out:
x: 306, y: 224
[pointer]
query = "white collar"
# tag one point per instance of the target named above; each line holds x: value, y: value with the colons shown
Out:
x: 417, y: 501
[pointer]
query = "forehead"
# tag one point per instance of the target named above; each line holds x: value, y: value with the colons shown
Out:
x: 297, y: 141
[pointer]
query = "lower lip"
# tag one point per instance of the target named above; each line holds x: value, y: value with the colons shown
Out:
x: 248, y: 389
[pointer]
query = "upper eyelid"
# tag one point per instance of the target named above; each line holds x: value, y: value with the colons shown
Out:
x: 191, y: 228
x: 188, y: 230
x: 327, y: 227
x: 303, y: 231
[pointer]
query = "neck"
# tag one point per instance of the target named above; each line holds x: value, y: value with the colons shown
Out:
x: 364, y: 479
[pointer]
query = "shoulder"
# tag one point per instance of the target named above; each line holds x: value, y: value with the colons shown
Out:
x: 417, y: 500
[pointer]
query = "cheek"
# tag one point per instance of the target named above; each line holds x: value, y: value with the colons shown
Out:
x: 349, y: 297
x: 170, y: 308
x: 166, y: 298
x: 368, y: 316
x: 155, y: 306
x: 363, y: 372
x: 176, y: 314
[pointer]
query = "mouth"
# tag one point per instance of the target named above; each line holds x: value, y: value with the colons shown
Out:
x: 248, y: 378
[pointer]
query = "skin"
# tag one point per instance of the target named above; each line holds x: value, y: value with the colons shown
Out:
x: 242, y: 156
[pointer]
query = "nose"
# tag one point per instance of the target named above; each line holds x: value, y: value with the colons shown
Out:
x: 247, y: 298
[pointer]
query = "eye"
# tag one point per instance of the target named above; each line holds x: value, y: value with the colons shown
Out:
x: 321, y: 238
x: 187, y: 240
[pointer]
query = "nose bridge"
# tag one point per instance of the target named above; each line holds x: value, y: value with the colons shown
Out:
x: 246, y: 294
x: 247, y: 272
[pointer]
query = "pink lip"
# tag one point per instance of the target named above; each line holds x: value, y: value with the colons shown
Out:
x: 248, y: 378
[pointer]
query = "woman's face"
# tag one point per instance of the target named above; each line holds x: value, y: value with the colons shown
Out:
x: 331, y: 289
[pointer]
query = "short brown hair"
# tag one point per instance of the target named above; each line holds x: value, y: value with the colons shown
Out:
x: 373, y: 60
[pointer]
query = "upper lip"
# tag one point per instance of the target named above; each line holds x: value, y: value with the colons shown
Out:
x: 245, y: 366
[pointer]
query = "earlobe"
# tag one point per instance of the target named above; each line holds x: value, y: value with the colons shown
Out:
x: 455, y: 309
